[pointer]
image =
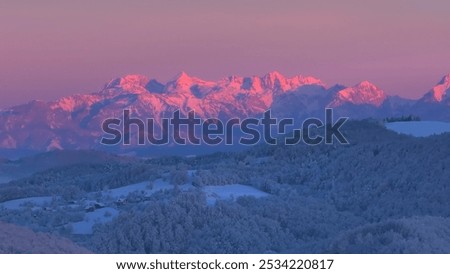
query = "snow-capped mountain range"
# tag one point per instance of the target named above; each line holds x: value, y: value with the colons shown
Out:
x: 74, y: 122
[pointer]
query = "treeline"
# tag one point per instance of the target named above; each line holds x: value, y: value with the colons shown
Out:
x: 186, y: 224
x: 402, y: 118
x: 74, y: 181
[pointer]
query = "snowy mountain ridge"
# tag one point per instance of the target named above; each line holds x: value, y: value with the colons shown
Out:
x: 74, y: 122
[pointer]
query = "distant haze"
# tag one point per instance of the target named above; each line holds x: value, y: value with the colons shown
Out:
x: 50, y: 49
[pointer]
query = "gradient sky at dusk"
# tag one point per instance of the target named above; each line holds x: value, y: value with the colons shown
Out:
x: 49, y: 49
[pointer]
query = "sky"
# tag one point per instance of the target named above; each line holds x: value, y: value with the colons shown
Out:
x: 51, y: 48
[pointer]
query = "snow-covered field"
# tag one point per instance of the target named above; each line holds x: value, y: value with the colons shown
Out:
x: 25, y: 202
x: 104, y: 215
x: 99, y: 216
x: 100, y: 209
x: 213, y: 193
x: 230, y: 192
x: 419, y: 128
x: 145, y: 188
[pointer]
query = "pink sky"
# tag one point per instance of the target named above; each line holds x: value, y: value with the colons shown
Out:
x: 49, y: 49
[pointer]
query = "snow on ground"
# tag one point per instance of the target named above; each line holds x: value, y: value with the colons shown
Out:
x: 146, y: 188
x: 419, y: 128
x: 106, y: 214
x: 99, y: 216
x: 230, y: 192
x: 25, y: 202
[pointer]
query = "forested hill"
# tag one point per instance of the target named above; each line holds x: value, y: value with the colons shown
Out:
x: 385, y: 189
